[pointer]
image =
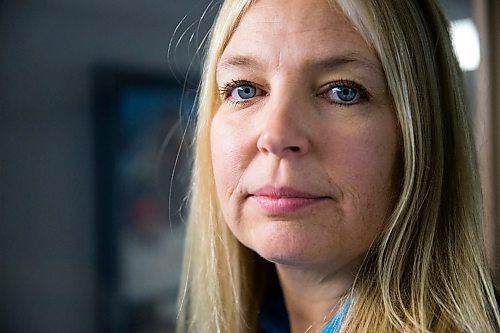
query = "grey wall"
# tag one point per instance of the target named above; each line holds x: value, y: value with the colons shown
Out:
x: 47, y: 240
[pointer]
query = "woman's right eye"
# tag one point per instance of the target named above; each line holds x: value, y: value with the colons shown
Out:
x: 243, y: 92
x: 240, y: 91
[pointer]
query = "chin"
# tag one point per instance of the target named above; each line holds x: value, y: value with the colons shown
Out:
x: 288, y: 259
x: 285, y: 245
x: 291, y: 258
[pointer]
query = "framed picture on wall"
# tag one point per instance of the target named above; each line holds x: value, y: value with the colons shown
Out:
x: 142, y: 139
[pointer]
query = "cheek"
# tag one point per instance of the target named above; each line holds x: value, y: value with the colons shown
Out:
x: 228, y: 157
x: 371, y: 148
x: 367, y: 166
x: 370, y: 162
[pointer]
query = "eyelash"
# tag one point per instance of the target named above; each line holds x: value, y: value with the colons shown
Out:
x: 226, y: 90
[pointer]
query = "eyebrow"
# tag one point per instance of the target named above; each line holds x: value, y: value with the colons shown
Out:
x: 330, y: 63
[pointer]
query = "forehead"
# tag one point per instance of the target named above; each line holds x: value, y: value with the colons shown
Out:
x: 293, y: 32
x: 294, y: 16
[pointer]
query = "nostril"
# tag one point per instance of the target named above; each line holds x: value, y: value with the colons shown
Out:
x: 294, y: 149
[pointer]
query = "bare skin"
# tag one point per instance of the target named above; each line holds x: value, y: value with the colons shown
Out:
x: 304, y: 147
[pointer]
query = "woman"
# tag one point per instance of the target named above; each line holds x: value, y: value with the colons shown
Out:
x: 335, y: 184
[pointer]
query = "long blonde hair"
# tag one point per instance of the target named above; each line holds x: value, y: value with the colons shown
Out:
x: 427, y: 271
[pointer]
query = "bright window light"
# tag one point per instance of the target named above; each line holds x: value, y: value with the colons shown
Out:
x: 466, y: 43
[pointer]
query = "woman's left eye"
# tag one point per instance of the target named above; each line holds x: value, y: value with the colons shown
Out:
x: 345, y: 93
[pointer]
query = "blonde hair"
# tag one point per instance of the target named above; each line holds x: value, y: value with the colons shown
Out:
x: 427, y: 271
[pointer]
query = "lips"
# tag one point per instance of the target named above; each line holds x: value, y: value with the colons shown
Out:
x: 284, y: 200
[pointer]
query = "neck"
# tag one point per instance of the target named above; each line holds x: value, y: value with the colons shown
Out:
x: 313, y: 298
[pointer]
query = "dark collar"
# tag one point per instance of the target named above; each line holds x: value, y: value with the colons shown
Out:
x: 273, y: 316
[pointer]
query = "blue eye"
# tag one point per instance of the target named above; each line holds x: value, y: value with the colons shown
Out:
x: 244, y: 92
x: 345, y: 94
x: 241, y: 92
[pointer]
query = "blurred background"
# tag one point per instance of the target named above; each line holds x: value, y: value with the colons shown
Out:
x: 90, y: 233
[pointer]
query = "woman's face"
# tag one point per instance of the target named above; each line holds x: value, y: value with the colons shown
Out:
x: 305, y: 140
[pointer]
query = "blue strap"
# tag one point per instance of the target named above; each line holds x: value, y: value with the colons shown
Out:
x: 273, y: 317
x: 334, y: 325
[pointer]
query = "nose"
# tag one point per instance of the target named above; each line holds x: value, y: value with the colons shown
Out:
x: 283, y: 132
